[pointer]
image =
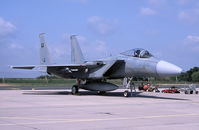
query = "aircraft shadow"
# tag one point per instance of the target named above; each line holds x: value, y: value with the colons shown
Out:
x: 91, y: 93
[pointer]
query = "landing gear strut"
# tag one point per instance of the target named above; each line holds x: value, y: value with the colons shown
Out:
x: 128, y: 84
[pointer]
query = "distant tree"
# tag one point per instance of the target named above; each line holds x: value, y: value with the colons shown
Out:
x: 195, y: 77
x: 48, y: 77
x: 183, y: 77
x: 191, y: 71
x: 187, y: 76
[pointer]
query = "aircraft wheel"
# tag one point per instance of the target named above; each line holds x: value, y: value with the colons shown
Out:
x: 74, y: 89
x: 196, y: 92
x: 126, y: 93
x: 101, y: 92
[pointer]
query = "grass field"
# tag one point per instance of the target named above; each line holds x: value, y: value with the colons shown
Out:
x: 63, y: 82
x: 38, y: 82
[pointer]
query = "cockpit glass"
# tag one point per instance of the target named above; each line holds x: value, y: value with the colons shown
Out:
x: 140, y: 53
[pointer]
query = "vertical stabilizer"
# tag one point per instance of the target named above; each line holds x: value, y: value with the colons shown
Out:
x: 45, y: 58
x: 76, y: 52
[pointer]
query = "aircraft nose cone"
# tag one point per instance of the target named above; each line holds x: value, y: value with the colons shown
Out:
x: 164, y: 68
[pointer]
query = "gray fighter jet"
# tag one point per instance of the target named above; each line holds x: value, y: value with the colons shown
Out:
x: 93, y: 75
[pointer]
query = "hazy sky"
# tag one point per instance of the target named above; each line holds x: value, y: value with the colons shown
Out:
x: 169, y: 29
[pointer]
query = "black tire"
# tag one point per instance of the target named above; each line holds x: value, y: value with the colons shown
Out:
x: 74, y: 89
x: 157, y: 91
x: 126, y: 93
x: 140, y: 88
x: 101, y: 92
x: 186, y: 92
x: 196, y: 92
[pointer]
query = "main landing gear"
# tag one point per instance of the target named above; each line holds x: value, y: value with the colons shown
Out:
x: 101, y: 92
x: 75, y: 89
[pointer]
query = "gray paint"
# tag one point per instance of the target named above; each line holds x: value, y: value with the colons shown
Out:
x: 45, y: 58
x: 132, y: 63
x: 76, y: 53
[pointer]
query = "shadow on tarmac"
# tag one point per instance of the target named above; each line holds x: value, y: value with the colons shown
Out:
x: 91, y: 93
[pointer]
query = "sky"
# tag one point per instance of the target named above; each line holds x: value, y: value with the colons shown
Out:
x: 169, y: 29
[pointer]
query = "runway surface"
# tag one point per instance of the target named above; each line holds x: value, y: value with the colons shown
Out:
x: 59, y: 110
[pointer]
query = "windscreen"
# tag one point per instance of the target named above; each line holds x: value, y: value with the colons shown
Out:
x: 140, y: 53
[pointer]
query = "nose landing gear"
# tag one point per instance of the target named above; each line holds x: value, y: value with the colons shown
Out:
x: 128, y: 84
x: 126, y: 93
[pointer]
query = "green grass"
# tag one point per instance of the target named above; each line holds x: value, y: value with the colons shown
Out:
x: 39, y: 82
x: 70, y: 82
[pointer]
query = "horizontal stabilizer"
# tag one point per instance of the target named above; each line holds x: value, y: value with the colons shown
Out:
x: 35, y: 68
x: 22, y: 67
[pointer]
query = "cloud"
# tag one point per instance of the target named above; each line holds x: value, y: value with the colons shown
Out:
x: 147, y: 11
x: 191, y: 43
x: 101, y: 46
x: 58, y: 52
x: 157, y: 54
x: 81, y: 39
x: 190, y: 16
x: 192, y: 39
x: 101, y: 25
x: 92, y: 49
x: 6, y: 28
x: 95, y: 49
x: 61, y: 52
x: 16, y: 46
x: 66, y: 36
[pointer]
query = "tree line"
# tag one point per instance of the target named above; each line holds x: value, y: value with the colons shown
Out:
x: 191, y: 75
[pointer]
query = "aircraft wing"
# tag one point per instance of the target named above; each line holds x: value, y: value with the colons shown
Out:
x: 93, y: 70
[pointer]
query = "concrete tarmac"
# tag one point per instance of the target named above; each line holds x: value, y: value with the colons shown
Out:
x: 59, y: 110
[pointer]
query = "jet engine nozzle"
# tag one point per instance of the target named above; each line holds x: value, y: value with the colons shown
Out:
x: 166, y: 69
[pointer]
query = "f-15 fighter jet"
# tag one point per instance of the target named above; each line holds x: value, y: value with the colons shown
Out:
x: 93, y: 75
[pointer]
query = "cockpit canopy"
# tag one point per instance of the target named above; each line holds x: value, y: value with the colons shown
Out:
x: 140, y: 53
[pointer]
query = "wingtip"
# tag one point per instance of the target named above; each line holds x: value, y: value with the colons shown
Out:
x: 73, y: 36
x: 10, y: 66
x: 41, y: 34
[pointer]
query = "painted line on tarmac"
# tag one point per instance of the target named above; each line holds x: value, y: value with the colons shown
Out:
x: 15, y: 89
x: 195, y: 103
x: 191, y: 102
x: 86, y: 120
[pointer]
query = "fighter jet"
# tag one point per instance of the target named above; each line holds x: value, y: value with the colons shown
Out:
x: 93, y: 75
